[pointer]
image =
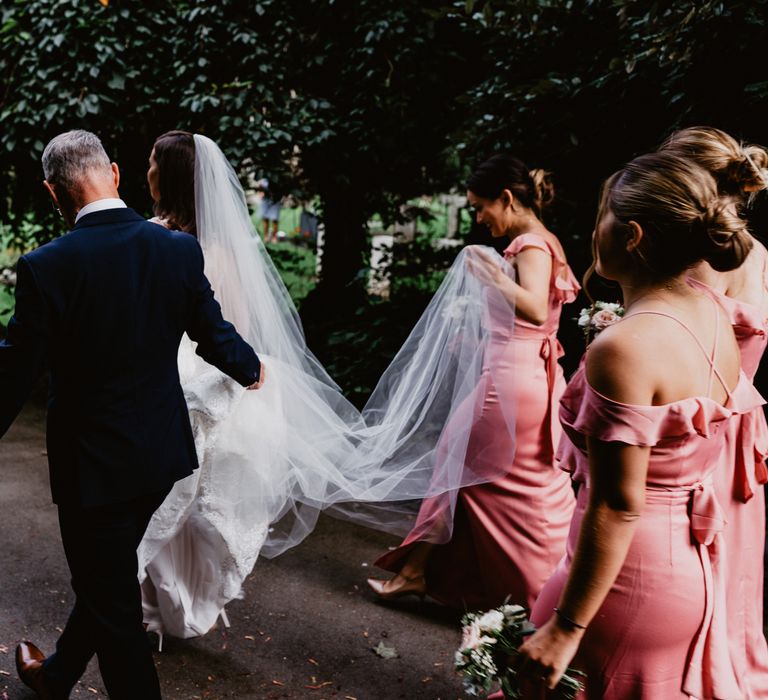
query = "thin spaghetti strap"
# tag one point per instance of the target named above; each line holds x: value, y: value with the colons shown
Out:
x: 765, y: 271
x: 712, y: 369
x: 710, y: 357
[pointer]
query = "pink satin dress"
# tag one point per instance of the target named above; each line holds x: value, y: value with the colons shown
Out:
x: 661, y: 632
x: 507, y: 534
x: 739, y: 487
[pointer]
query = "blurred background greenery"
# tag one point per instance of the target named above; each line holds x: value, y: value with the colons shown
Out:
x: 369, y: 108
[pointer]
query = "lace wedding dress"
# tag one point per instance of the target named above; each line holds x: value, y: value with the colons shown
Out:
x: 272, y: 460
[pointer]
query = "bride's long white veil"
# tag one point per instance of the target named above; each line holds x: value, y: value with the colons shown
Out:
x: 422, y: 434
x: 317, y: 451
x: 273, y: 459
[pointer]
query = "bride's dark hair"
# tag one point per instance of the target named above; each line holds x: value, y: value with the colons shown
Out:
x: 175, y: 158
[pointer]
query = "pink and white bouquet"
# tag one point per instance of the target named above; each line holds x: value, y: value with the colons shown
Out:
x: 489, y: 643
x: 598, y: 317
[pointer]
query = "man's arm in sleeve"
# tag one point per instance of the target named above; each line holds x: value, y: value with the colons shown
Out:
x: 23, y: 352
x: 218, y: 343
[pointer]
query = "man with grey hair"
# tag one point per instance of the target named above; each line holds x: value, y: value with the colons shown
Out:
x: 104, y: 308
x: 73, y: 160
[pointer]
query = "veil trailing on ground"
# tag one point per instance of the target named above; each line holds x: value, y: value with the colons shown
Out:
x: 273, y: 459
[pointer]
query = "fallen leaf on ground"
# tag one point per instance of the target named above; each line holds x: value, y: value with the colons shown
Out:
x: 386, y: 652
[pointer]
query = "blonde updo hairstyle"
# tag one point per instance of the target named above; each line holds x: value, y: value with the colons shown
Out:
x: 683, y: 217
x: 739, y: 169
x: 532, y: 188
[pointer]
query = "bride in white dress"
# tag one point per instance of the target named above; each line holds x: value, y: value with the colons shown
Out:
x: 271, y: 460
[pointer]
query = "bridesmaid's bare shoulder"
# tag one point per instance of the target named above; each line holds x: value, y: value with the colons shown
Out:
x: 621, y: 362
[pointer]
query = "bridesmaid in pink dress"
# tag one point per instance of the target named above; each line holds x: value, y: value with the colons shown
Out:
x: 507, y: 535
x: 744, y: 294
x: 639, y: 599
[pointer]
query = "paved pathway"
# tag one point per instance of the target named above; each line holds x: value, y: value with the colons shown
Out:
x: 305, y: 629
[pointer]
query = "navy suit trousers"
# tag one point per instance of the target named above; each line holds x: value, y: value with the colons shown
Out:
x: 100, y: 545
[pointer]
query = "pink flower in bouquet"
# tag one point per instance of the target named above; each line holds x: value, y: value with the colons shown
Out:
x: 473, y: 637
x: 598, y: 317
x: 604, y: 318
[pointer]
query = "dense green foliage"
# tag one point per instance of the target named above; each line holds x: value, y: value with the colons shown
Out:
x: 579, y: 87
x: 296, y: 265
x: 369, y: 103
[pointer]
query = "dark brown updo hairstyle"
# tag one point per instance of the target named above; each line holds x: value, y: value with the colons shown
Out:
x: 684, y: 219
x: 532, y: 188
x: 175, y: 157
x: 739, y: 169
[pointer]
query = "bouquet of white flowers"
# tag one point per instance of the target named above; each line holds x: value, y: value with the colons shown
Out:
x: 489, y: 641
x: 599, y: 316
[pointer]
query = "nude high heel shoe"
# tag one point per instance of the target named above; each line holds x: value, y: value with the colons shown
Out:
x: 156, y: 627
x: 408, y: 585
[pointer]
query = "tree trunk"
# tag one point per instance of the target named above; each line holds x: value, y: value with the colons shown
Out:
x: 343, y: 278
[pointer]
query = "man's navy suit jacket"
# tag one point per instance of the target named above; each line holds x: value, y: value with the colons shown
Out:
x: 105, y: 306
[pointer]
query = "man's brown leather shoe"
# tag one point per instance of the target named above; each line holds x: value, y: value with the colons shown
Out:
x: 29, y: 665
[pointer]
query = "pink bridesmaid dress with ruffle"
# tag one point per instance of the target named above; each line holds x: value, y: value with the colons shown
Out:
x: 739, y: 488
x: 661, y: 632
x: 509, y: 534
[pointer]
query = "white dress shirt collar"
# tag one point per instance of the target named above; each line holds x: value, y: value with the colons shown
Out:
x: 100, y: 205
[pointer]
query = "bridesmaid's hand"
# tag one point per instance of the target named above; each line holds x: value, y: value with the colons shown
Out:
x: 544, y: 657
x: 485, y: 267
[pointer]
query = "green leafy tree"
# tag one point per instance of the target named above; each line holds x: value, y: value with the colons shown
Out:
x: 354, y: 101
x: 368, y: 103
x: 70, y: 64
x: 581, y: 86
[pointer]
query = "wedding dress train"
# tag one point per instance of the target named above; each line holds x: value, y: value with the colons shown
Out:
x: 272, y: 460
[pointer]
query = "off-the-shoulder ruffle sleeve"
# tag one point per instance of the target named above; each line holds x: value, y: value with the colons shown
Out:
x: 751, y: 438
x: 565, y: 284
x: 584, y: 412
x: 746, y: 319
